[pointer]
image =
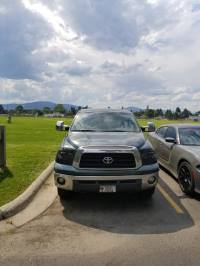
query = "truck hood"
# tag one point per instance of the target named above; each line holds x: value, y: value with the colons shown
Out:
x: 79, y: 139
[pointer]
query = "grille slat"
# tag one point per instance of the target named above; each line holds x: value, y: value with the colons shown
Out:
x: 95, y: 160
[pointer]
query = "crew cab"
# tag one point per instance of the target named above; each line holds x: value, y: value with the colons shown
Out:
x: 105, y: 151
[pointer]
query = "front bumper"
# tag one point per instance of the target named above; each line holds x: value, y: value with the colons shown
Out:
x: 128, y: 180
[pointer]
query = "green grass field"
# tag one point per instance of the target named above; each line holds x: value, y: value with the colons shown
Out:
x: 31, y: 145
x: 158, y: 123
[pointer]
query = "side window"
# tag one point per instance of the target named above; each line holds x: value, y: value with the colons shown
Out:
x: 171, y: 133
x: 161, y: 131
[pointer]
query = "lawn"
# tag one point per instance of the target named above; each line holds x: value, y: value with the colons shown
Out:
x: 158, y: 123
x: 31, y: 145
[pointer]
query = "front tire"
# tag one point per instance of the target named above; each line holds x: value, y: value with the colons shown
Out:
x: 63, y: 194
x: 185, y: 178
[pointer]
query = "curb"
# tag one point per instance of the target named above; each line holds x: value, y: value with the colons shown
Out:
x: 22, y: 200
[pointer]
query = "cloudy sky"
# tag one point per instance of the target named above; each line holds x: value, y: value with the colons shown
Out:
x: 101, y: 52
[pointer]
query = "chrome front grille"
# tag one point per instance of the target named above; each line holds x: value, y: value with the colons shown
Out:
x: 107, y: 160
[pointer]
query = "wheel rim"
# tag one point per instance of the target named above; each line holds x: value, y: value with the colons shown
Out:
x: 185, y: 178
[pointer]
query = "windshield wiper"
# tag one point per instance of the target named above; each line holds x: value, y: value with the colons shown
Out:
x: 84, y: 130
x: 91, y: 130
x: 115, y: 131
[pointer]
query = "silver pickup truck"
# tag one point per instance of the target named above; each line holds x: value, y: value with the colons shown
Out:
x: 105, y: 151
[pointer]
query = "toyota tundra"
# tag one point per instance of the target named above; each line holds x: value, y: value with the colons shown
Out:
x: 105, y: 151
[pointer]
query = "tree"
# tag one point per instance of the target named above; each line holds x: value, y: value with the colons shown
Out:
x: 177, y: 113
x: 37, y: 112
x: 46, y: 110
x: 139, y: 114
x: 197, y: 113
x: 73, y: 110
x: 186, y: 113
x: 150, y: 113
x: 40, y: 113
x: 169, y: 114
x: 158, y: 112
x: 2, y: 111
x: 19, y: 109
x: 59, y: 108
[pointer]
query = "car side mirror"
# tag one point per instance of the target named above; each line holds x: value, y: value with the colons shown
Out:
x: 170, y: 140
x: 66, y: 127
x: 149, y: 128
x: 145, y: 129
x: 60, y: 126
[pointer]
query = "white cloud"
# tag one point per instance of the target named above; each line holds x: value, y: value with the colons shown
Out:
x: 101, y: 53
x: 57, y: 23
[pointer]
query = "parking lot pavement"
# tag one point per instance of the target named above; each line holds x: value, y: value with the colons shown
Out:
x: 117, y: 229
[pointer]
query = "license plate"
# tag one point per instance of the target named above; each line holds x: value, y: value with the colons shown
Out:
x: 107, y: 189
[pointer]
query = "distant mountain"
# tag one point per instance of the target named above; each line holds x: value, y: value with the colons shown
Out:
x: 134, y: 109
x: 41, y: 104
x: 36, y: 105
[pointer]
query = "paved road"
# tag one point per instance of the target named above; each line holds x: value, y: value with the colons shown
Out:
x: 110, y: 230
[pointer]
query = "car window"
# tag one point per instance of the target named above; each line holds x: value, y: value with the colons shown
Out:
x: 105, y: 122
x: 161, y: 131
x: 189, y: 136
x: 170, y: 133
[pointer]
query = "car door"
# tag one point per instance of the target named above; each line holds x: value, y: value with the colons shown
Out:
x: 158, y: 140
x: 167, y: 146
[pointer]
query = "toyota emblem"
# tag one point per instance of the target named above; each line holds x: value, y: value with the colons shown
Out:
x: 108, y: 160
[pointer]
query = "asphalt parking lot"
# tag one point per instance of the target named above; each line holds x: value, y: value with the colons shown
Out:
x: 117, y: 229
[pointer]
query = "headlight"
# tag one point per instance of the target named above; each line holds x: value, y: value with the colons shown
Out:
x: 65, y: 156
x: 148, y: 156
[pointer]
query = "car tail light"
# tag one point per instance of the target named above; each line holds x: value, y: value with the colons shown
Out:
x: 65, y: 156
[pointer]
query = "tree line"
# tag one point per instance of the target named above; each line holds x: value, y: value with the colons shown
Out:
x: 59, y: 108
x: 168, y: 114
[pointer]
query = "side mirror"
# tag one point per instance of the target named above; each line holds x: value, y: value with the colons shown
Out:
x: 144, y: 128
x: 170, y: 140
x: 151, y: 127
x: 66, y: 127
x: 60, y: 126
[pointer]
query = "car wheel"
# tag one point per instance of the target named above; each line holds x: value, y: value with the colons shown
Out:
x: 185, y: 178
x: 62, y: 193
x: 149, y: 192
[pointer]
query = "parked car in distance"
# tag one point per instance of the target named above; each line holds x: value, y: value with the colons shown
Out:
x: 105, y: 151
x: 178, y: 149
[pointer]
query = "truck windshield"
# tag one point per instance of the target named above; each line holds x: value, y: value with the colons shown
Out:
x: 189, y: 136
x: 105, y: 122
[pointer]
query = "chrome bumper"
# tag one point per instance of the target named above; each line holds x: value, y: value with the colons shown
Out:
x: 69, y: 179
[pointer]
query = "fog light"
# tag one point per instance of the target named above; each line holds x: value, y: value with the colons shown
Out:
x: 151, y: 179
x: 61, y: 180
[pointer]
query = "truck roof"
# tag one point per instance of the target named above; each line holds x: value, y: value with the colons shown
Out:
x: 103, y: 110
